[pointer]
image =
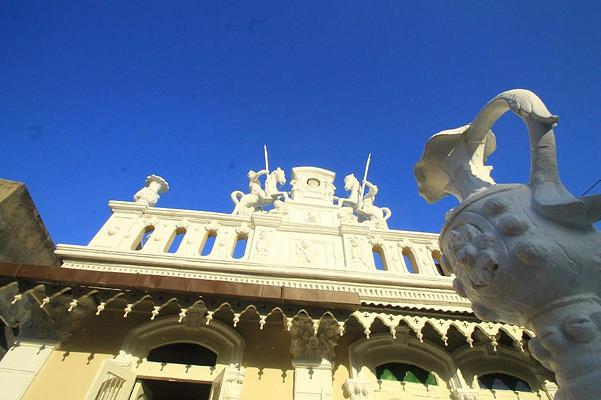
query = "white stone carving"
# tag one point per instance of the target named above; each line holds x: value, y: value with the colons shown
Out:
x: 150, y: 193
x: 247, y: 203
x: 465, y: 394
x: 367, y: 211
x: 262, y: 245
x: 364, y: 208
x: 357, y: 389
x: 353, y: 187
x: 304, y: 252
x: 212, y: 226
x: 243, y: 229
x: 523, y: 254
x: 231, y: 385
x: 308, y: 345
x: 312, y: 185
x: 358, y: 254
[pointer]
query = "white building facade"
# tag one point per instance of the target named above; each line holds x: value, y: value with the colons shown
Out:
x: 295, y: 295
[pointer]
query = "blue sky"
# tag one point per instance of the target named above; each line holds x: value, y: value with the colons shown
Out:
x: 96, y: 95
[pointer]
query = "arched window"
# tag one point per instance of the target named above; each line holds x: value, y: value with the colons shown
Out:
x: 405, y: 373
x: 240, y: 246
x: 437, y: 258
x: 410, y: 261
x: 379, y: 258
x: 176, y: 240
x: 208, y: 243
x: 183, y: 353
x: 143, y: 237
x: 499, y: 381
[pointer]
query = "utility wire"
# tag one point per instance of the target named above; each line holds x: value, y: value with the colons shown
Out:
x: 589, y: 189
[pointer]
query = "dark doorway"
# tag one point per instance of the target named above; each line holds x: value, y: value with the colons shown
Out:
x: 175, y: 390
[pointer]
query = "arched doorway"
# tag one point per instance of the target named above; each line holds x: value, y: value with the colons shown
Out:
x: 165, y: 359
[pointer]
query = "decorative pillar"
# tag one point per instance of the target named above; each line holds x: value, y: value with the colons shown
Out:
x: 312, y: 347
x: 21, y: 364
x: 523, y: 254
x: 312, y: 381
x: 465, y: 394
x: 233, y: 380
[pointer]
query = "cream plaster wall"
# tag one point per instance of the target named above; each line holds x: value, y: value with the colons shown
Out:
x: 71, y: 369
x: 267, y: 360
x: 65, y: 378
x: 341, y: 374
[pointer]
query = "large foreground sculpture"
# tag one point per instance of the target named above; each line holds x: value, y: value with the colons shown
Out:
x: 523, y: 254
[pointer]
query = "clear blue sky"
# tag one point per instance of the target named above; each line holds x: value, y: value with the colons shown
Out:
x: 95, y: 95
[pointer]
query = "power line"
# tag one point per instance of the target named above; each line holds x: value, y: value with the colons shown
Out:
x: 589, y: 189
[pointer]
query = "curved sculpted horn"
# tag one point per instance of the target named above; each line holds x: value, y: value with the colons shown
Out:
x: 540, y: 123
x: 551, y: 198
x: 453, y: 160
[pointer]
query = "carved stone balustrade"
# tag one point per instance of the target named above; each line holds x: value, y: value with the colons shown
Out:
x: 310, y: 241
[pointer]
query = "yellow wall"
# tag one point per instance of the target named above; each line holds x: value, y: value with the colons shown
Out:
x: 269, y: 372
x: 70, y: 370
x: 65, y: 378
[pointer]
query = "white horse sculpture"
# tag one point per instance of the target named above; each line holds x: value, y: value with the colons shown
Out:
x: 246, y: 203
x: 364, y: 209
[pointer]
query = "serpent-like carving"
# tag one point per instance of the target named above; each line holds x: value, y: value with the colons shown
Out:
x: 526, y: 254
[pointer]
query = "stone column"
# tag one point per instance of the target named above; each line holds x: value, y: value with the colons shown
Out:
x: 312, y: 380
x: 21, y: 364
x: 312, y: 347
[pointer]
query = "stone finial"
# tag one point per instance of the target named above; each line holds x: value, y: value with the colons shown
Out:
x: 150, y: 193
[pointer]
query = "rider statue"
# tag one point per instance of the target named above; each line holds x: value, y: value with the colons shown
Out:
x: 363, y: 206
x: 259, y: 197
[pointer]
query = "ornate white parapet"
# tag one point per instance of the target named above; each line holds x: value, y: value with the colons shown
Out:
x: 523, y: 254
x: 310, y: 239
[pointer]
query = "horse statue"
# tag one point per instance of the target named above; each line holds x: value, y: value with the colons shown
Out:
x: 364, y: 207
x: 257, y: 198
x: 351, y: 185
x: 367, y: 211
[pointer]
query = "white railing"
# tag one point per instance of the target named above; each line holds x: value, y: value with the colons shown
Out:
x: 266, y: 239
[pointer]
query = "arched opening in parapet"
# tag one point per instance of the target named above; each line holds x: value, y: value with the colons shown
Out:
x: 379, y: 258
x: 208, y: 244
x: 437, y: 258
x: 499, y: 381
x: 409, y: 259
x: 176, y: 240
x: 183, y: 353
x: 240, y: 246
x: 143, y: 237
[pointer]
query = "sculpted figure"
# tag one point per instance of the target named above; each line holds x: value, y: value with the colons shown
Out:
x: 246, y: 203
x: 150, y: 193
x: 351, y: 185
x: 364, y: 207
x: 526, y: 254
x: 368, y: 211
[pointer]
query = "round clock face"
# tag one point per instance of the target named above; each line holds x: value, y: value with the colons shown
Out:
x: 313, y: 182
